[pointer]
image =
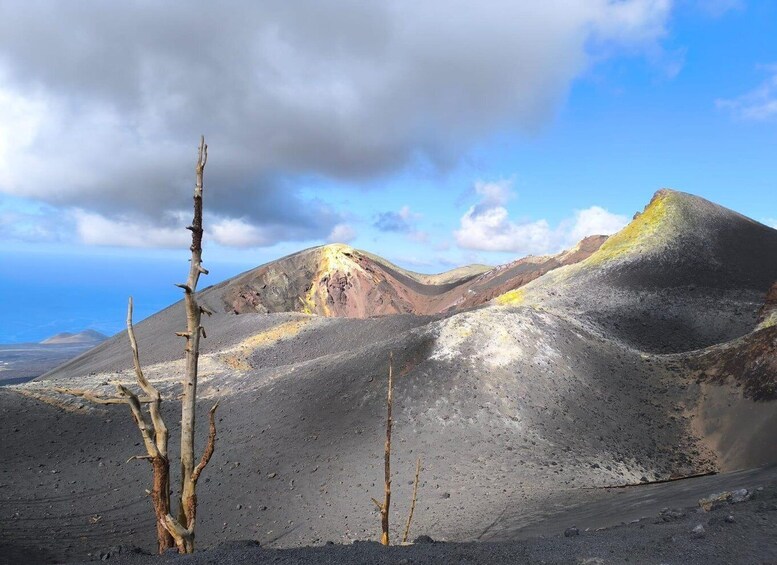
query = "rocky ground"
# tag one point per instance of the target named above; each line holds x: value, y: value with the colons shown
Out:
x: 738, y: 527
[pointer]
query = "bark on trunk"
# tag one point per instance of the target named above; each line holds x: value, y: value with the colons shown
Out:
x: 160, y: 496
x: 194, y: 329
x: 384, y: 510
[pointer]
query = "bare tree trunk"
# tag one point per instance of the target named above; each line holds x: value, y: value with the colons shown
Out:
x: 384, y: 507
x: 384, y: 512
x: 194, y: 329
x: 412, y: 504
x: 160, y: 497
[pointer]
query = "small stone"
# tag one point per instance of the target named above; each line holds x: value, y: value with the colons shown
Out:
x: 643, y: 479
x: 272, y: 475
x: 671, y: 514
x: 698, y: 532
x: 729, y: 519
x: 423, y: 539
x: 570, y: 532
x: 239, y: 506
x: 740, y: 495
x: 445, y: 495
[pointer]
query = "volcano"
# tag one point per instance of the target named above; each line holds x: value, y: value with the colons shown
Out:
x: 643, y: 357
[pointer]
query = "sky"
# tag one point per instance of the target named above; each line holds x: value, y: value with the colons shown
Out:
x: 435, y: 134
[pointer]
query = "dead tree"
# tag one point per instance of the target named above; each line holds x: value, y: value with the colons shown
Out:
x: 170, y: 530
x: 412, y: 504
x: 384, y: 507
x: 182, y: 529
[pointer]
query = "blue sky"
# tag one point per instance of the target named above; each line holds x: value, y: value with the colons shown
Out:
x: 434, y: 135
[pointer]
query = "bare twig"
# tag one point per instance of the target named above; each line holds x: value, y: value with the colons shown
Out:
x: 412, y: 504
x: 384, y: 508
x: 96, y: 399
x: 160, y: 429
x: 209, y: 446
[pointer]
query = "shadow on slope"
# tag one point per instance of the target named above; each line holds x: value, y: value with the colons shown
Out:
x: 684, y: 274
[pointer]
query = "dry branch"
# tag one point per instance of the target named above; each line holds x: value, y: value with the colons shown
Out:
x: 412, y: 504
x: 160, y: 493
x: 91, y: 397
x: 209, y: 446
x: 385, y: 506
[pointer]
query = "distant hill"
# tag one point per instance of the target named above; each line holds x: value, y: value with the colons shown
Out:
x: 339, y: 281
x: 85, y: 337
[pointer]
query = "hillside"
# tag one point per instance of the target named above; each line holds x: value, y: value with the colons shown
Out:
x: 684, y: 274
x: 339, y: 281
x: 638, y: 359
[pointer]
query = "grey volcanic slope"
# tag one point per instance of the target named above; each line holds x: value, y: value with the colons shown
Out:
x: 493, y: 400
x: 511, y: 405
x: 650, y: 524
x: 685, y: 274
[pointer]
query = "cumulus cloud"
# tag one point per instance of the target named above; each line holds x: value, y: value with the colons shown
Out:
x: 94, y: 229
x: 758, y: 104
x: 486, y: 226
x: 102, y: 103
x: 341, y: 233
x: 594, y: 221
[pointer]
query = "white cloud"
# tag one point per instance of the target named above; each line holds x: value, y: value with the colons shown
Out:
x: 487, y: 226
x: 496, y: 193
x: 594, y: 221
x: 492, y: 230
x: 758, y: 104
x: 233, y: 232
x: 94, y: 229
x: 342, y: 233
x: 348, y: 90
